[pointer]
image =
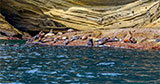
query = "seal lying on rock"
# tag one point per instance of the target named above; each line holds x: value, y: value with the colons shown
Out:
x: 84, y: 37
x: 75, y: 38
x: 64, y: 38
x: 66, y: 42
x: 70, y: 30
x: 102, y: 41
x: 114, y: 39
x: 50, y: 33
x: 90, y: 43
x: 59, y: 33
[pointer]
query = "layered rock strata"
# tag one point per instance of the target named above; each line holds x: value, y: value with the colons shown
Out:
x: 7, y: 30
x: 36, y: 15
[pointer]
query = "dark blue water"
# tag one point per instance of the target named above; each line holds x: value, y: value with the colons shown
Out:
x: 37, y: 64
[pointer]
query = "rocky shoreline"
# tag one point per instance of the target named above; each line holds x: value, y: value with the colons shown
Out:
x: 130, y: 39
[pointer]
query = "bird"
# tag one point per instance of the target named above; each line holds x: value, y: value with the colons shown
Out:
x: 90, y: 43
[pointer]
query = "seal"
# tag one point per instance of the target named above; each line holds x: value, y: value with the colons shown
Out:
x: 59, y: 33
x: 77, y: 37
x: 102, y: 41
x: 66, y: 42
x: 74, y: 38
x: 84, y: 37
x: 114, y: 39
x: 70, y: 30
x: 90, y: 43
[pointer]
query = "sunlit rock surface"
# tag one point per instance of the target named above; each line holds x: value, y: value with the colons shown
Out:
x: 36, y: 15
x: 6, y: 29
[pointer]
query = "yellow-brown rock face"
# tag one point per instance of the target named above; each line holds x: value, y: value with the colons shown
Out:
x: 6, y: 29
x: 35, y: 15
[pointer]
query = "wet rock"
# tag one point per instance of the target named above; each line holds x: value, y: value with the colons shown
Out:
x: 97, y: 33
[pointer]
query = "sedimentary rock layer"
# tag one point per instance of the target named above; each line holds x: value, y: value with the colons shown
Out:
x: 6, y: 29
x: 36, y: 15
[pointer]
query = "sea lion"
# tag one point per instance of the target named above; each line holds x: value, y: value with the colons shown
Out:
x: 64, y: 38
x: 90, y: 43
x: 66, y: 42
x: 72, y: 39
x: 75, y: 38
x: 114, y: 39
x: 102, y: 41
x: 55, y: 40
x: 50, y: 33
x: 70, y: 30
x: 84, y: 37
x: 59, y: 33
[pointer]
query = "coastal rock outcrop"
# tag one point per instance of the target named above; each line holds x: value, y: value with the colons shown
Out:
x: 7, y: 30
x: 36, y: 15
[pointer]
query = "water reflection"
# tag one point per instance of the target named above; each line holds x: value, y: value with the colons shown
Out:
x: 77, y: 65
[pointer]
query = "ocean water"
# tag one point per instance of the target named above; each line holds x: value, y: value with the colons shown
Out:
x: 37, y: 64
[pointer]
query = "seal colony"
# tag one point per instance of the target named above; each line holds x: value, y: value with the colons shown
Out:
x: 128, y: 38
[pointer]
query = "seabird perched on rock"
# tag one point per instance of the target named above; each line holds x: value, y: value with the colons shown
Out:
x: 90, y: 43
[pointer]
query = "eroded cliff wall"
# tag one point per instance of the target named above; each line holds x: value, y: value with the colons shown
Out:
x: 36, y: 15
x: 6, y: 29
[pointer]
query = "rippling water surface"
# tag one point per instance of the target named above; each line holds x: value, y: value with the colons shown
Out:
x: 77, y: 65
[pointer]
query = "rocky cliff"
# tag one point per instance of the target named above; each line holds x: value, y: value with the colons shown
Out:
x: 36, y: 15
x: 6, y: 29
